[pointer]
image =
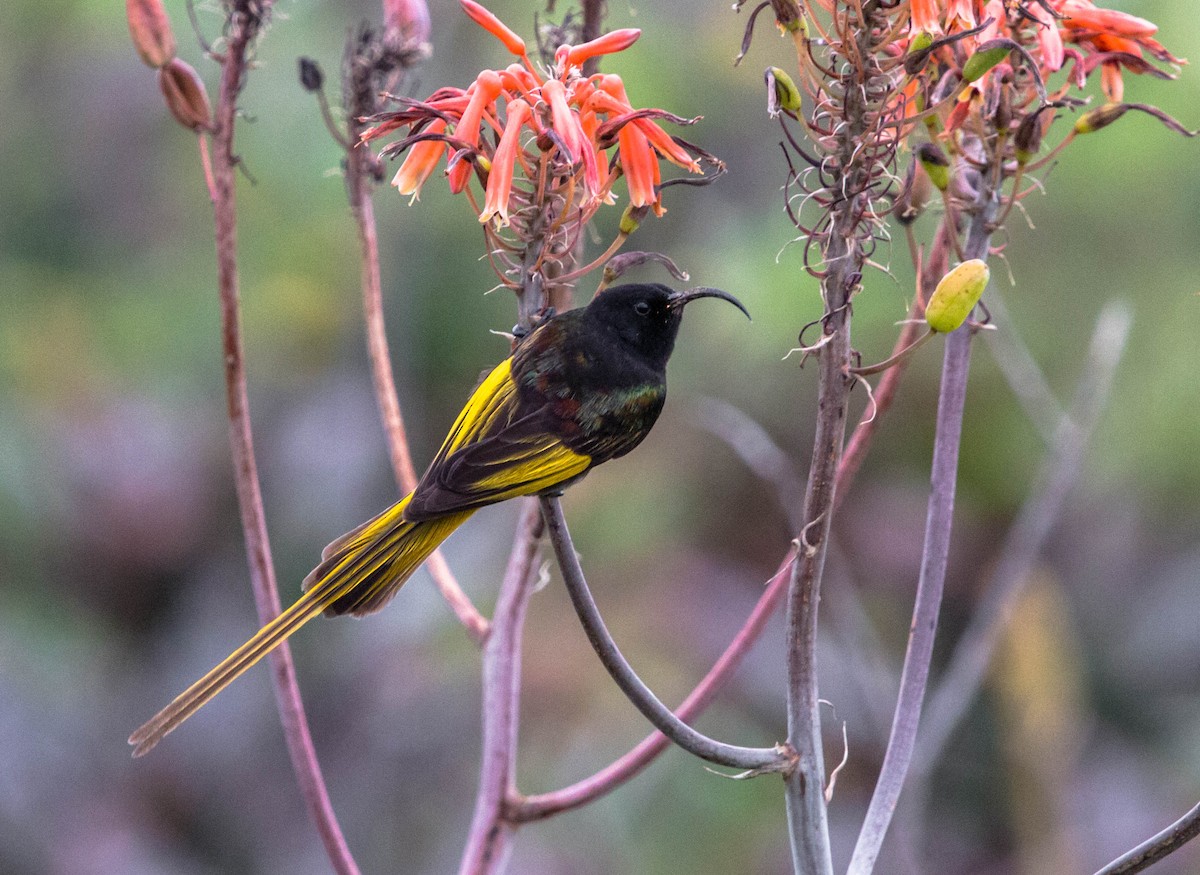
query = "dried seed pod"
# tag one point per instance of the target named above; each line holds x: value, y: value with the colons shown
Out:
x: 956, y: 295
x: 185, y: 95
x: 151, y: 31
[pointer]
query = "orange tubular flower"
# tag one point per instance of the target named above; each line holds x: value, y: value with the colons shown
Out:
x: 420, y: 163
x: 611, y: 43
x: 500, y: 177
x: 638, y: 163
x: 925, y: 16
x: 555, y: 136
x: 564, y: 122
x: 483, y: 95
x: 486, y: 19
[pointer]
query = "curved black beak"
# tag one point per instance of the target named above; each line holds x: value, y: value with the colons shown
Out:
x: 678, y: 299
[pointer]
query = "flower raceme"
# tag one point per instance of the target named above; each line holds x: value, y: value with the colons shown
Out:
x: 1107, y: 38
x: 532, y: 136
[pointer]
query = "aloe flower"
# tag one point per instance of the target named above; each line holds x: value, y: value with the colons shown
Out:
x: 556, y: 130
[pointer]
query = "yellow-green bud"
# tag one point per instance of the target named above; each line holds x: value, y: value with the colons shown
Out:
x: 632, y: 218
x: 920, y: 42
x: 956, y: 295
x: 936, y: 164
x: 782, y: 93
x: 986, y: 56
x: 1099, y: 118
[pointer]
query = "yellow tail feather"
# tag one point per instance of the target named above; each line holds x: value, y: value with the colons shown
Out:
x: 359, y: 573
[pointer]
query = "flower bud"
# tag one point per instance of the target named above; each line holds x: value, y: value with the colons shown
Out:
x: 1028, y: 138
x: 185, y: 95
x: 985, y: 58
x: 151, y: 31
x: 782, y: 93
x: 406, y: 23
x: 788, y: 15
x: 632, y: 218
x: 956, y: 295
x: 936, y: 164
x: 1099, y: 118
x: 311, y: 77
x: 910, y: 203
x: 486, y: 19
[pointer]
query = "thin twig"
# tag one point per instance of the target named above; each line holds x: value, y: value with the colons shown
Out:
x: 489, y: 840
x: 1157, y: 847
x: 1058, y: 473
x: 939, y: 521
x: 765, y: 759
x: 241, y: 31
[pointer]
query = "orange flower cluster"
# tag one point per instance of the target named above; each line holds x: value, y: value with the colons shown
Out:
x: 534, y: 138
x: 1107, y: 38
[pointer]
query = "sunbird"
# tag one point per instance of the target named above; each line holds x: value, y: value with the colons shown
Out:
x: 583, y: 387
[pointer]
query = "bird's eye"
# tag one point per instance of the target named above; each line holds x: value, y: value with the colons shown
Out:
x: 642, y: 308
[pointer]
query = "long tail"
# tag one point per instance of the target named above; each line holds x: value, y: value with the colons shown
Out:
x: 359, y: 573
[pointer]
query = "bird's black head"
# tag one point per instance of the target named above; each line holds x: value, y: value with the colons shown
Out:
x: 645, y: 317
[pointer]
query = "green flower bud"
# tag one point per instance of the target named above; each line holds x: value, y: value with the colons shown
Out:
x: 920, y: 42
x: 956, y: 295
x: 985, y: 58
x: 1099, y: 118
x: 782, y: 93
x: 632, y: 218
x: 936, y: 164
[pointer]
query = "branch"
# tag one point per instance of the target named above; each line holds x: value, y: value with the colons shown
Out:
x: 758, y: 759
x: 617, y: 773
x: 939, y: 520
x: 1058, y: 473
x: 1156, y: 848
x: 242, y: 28
x: 489, y: 840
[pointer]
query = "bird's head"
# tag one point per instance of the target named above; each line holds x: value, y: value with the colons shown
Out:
x: 646, y: 316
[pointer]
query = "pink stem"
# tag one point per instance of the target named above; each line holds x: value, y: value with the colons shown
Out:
x: 241, y: 31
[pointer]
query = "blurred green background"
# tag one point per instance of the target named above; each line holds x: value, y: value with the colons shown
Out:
x: 122, y: 571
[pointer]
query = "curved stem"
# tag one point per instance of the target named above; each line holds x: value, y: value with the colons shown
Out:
x: 939, y: 520
x: 895, y: 358
x: 606, y: 780
x: 242, y: 30
x: 767, y: 759
x: 1157, y: 847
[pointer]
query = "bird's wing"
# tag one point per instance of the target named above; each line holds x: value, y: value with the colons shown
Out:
x: 496, y: 449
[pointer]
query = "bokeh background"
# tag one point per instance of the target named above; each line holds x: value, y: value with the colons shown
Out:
x: 122, y: 573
